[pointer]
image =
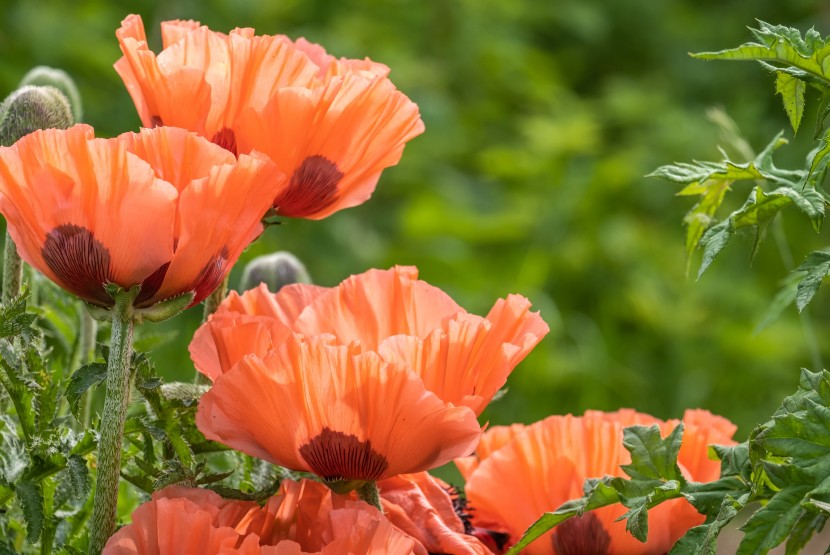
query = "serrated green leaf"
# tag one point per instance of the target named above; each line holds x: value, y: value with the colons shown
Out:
x: 713, y: 242
x: 791, y: 89
x: 804, y: 529
x: 601, y: 496
x: 14, y: 320
x: 815, y: 268
x: 772, y: 523
x: 652, y: 457
x: 76, y: 478
x: 784, y: 46
x: 85, y: 377
x: 703, y: 539
x: 31, y: 501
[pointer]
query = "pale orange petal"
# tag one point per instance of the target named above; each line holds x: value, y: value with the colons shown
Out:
x: 332, y: 141
x: 218, y: 217
x: 57, y: 186
x: 377, y: 304
x: 175, y: 30
x: 305, y: 403
x: 331, y: 66
x: 420, y: 505
x: 266, y: 318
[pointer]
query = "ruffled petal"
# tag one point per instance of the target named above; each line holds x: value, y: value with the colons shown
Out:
x: 332, y: 141
x: 325, y: 409
x: 218, y: 217
x: 377, y: 304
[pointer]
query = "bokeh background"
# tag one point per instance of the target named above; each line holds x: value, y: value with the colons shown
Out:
x: 542, y: 120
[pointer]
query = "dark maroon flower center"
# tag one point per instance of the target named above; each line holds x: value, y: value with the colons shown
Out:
x: 583, y: 535
x: 226, y: 138
x: 338, y: 456
x: 80, y: 262
x: 313, y: 187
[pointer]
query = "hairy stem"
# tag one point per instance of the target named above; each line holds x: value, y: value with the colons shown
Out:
x: 86, y: 352
x: 112, y: 421
x: 369, y: 493
x: 12, y: 271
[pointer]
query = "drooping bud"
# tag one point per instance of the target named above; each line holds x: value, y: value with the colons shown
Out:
x: 31, y: 108
x: 46, y: 76
x: 275, y: 271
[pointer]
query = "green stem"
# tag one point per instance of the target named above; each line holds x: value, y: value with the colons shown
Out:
x: 86, y: 352
x: 12, y: 271
x: 211, y: 304
x: 369, y: 493
x: 112, y: 421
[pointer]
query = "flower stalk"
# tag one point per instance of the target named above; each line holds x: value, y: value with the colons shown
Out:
x: 369, y: 493
x: 112, y: 420
x: 12, y: 270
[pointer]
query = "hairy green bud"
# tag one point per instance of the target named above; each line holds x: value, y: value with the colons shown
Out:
x: 275, y: 271
x: 45, y: 76
x: 31, y: 108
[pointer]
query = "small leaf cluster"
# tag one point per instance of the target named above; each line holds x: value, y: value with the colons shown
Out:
x: 797, y: 63
x: 783, y: 470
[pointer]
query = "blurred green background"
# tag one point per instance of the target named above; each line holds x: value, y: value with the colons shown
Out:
x: 542, y: 120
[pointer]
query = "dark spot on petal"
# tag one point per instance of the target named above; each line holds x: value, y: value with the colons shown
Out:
x: 313, y: 187
x: 226, y: 138
x: 80, y: 261
x: 151, y: 284
x: 210, y: 277
x: 338, y: 456
x: 583, y: 535
x: 155, y: 121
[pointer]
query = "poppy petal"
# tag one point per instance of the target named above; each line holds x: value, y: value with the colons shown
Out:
x: 325, y: 409
x: 72, y: 202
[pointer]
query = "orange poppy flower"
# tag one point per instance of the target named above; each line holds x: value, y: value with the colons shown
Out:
x: 162, y: 208
x: 464, y: 359
x: 421, y: 505
x: 331, y: 410
x: 214, y: 525
x: 332, y: 125
x: 304, y: 517
x: 521, y: 472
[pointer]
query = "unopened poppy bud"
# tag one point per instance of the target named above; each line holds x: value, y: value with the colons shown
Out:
x: 275, y: 271
x: 46, y: 76
x: 31, y: 108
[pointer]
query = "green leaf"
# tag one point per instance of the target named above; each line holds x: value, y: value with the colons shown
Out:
x: 600, y: 496
x: 14, y: 320
x: 804, y: 529
x: 84, y: 377
x: 713, y: 242
x: 703, y: 539
x: 772, y: 523
x: 783, y: 46
x: 791, y: 89
x: 652, y: 457
x: 31, y: 501
x: 815, y: 267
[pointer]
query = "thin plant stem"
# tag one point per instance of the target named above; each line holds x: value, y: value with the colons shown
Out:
x: 12, y: 270
x: 112, y: 421
x: 369, y: 493
x: 86, y: 351
x: 211, y: 304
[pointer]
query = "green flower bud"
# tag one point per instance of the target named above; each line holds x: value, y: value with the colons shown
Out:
x: 51, y: 77
x: 275, y: 271
x: 30, y: 108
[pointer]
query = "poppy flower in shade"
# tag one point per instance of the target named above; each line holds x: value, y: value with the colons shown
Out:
x: 332, y: 125
x: 163, y: 208
x: 423, y: 507
x: 311, y: 519
x: 331, y: 410
x: 464, y: 359
x: 303, y: 517
x: 214, y: 525
x: 521, y: 472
